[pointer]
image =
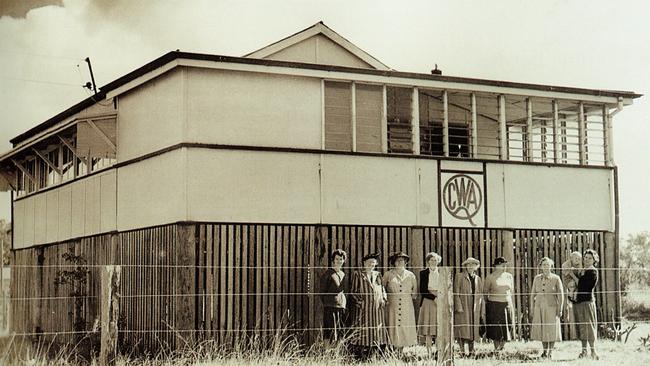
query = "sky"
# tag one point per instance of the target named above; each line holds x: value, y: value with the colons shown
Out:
x: 591, y: 44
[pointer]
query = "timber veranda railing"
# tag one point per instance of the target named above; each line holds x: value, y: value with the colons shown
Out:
x: 184, y: 282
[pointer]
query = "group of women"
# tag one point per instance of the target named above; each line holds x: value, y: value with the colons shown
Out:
x: 378, y: 310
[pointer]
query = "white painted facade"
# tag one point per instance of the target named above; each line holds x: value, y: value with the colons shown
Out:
x: 275, y: 171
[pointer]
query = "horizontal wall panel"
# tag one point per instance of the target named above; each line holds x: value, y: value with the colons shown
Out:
x: 19, y: 224
x: 237, y: 108
x: 108, y: 202
x: 151, y: 116
x: 552, y: 197
x: 249, y: 186
x: 369, y: 190
x: 65, y: 212
x: 152, y: 191
x: 78, y: 209
x: 52, y: 218
x: 40, y: 219
x: 93, y: 208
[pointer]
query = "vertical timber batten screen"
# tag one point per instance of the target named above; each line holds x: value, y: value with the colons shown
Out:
x: 190, y: 282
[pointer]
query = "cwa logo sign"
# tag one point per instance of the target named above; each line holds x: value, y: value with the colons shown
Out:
x: 462, y: 199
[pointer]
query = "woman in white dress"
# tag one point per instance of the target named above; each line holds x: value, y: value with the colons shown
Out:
x: 401, y: 288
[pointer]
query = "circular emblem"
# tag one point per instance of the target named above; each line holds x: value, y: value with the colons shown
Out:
x: 462, y: 197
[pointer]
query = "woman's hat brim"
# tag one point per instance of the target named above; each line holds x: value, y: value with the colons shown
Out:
x: 371, y: 256
x: 471, y: 260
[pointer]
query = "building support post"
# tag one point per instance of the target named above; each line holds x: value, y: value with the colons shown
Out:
x: 503, y: 143
x: 110, y: 311
x: 612, y: 279
x: 609, y: 145
x: 445, y: 333
x: 417, y: 259
x: 528, y: 147
x: 415, y: 120
x: 445, y: 123
x: 508, y: 249
x: 581, y: 134
x: 184, y: 272
x: 556, y: 133
x: 384, y: 121
x: 320, y: 260
x: 474, y: 127
x: 353, y: 109
x: 322, y: 115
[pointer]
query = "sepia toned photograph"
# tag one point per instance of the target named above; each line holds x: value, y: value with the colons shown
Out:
x: 301, y: 182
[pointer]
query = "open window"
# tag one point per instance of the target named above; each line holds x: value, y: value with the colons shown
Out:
x: 398, y: 109
x: 86, y: 147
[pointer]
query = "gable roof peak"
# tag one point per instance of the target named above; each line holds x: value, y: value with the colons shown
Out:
x: 319, y: 28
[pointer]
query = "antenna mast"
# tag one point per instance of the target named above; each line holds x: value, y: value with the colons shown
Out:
x: 92, y: 77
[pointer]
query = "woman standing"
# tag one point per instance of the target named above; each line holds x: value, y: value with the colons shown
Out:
x: 546, y: 299
x: 368, y: 299
x: 498, y: 288
x: 428, y: 316
x: 469, y: 308
x: 401, y: 287
x: 584, y: 308
x: 333, y: 297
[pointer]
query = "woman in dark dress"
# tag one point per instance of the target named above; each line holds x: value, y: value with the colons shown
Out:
x: 584, y: 308
x: 333, y: 297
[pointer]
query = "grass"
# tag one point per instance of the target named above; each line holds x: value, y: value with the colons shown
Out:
x: 636, y: 302
x: 285, y: 351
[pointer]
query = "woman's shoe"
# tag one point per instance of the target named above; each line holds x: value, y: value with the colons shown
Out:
x: 594, y: 355
x: 582, y: 354
x: 543, y: 355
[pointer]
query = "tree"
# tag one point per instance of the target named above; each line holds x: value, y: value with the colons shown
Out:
x: 635, y: 260
x: 5, y: 239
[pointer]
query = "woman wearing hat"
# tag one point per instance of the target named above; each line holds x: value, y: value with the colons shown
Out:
x: 469, y: 308
x: 546, y: 299
x: 368, y: 299
x: 402, y: 288
x: 498, y: 289
x: 428, y: 317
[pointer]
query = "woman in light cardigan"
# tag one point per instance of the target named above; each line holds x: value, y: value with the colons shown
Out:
x: 428, y: 316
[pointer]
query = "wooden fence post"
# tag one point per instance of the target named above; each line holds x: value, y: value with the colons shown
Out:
x: 445, y: 337
x: 110, y: 310
x: 417, y: 259
x: 508, y: 250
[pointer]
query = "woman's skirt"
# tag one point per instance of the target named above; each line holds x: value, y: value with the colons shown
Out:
x: 428, y: 318
x: 497, y: 319
x: 585, y: 317
x: 546, y: 324
x: 333, y: 323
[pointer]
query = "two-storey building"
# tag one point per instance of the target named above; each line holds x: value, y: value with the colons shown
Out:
x: 221, y: 184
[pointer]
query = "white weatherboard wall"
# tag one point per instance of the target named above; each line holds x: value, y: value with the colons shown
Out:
x: 250, y: 186
x: 150, y: 117
x: 376, y: 191
x: 277, y: 187
x: 319, y: 50
x: 540, y: 197
x: 152, y: 191
x: 238, y: 108
x: 83, y: 208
